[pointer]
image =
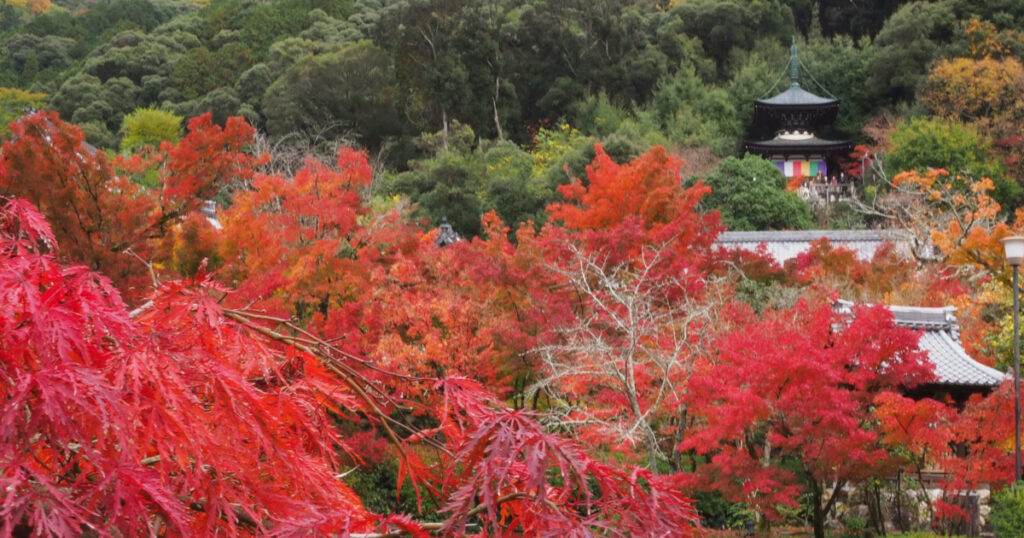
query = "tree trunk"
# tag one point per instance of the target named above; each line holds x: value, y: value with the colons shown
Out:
x: 444, y: 129
x: 652, y: 451
x: 821, y: 510
x: 899, y: 501
x: 924, y: 492
x: 652, y: 440
x: 494, y: 103
x: 818, y: 516
x: 677, y: 455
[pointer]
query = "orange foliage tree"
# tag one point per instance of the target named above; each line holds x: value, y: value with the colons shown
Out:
x: 105, y: 220
x: 183, y: 417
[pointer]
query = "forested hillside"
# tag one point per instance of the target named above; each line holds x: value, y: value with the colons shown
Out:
x: 227, y: 307
x: 436, y: 90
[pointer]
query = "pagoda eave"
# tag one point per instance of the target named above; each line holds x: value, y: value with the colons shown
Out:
x: 816, y: 146
x: 797, y: 96
x: 790, y: 116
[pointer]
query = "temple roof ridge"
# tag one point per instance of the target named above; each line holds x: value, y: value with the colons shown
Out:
x: 940, y: 340
x: 783, y: 245
x: 797, y: 96
x: 730, y: 236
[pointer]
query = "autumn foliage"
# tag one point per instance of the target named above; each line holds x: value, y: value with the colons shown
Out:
x: 185, y: 417
x: 795, y: 391
x: 311, y: 334
x: 102, y: 218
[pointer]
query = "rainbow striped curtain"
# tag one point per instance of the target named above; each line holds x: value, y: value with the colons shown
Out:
x: 802, y: 168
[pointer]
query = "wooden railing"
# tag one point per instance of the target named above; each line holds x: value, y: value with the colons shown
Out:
x: 815, y: 192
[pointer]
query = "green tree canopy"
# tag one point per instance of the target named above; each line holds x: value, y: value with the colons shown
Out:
x: 724, y: 25
x: 923, y: 143
x: 149, y: 127
x: 908, y: 43
x: 352, y: 88
x: 751, y: 194
x: 13, y: 103
x: 85, y: 99
x: 448, y: 185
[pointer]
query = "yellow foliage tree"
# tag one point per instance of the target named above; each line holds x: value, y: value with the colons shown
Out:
x: 986, y: 92
x: 13, y: 102
x: 984, y: 40
x: 33, y: 6
x: 149, y: 127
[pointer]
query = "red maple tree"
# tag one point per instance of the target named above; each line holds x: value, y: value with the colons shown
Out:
x: 794, y: 391
x: 100, y: 216
x: 232, y: 401
x: 187, y: 417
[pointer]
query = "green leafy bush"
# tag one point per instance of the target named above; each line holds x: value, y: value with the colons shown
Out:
x: 149, y: 127
x: 1008, y: 511
x: 751, y: 194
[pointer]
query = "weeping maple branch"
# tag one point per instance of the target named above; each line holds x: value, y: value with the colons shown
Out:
x: 344, y: 372
x: 313, y: 340
x: 240, y: 513
x: 149, y: 265
x: 353, y: 379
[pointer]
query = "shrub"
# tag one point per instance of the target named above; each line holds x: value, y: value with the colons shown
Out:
x: 1008, y: 511
x: 149, y: 127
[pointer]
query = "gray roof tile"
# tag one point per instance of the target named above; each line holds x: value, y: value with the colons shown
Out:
x: 795, y: 95
x: 786, y: 245
x: 940, y: 339
x: 953, y: 366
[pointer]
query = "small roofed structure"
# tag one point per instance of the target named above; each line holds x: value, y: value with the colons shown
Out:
x: 446, y: 235
x: 793, y: 116
x: 958, y: 375
x: 786, y: 245
x: 209, y: 210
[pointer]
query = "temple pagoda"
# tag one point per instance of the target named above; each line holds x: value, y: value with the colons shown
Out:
x: 794, y: 116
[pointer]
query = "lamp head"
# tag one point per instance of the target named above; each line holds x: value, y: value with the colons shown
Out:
x: 1014, y: 249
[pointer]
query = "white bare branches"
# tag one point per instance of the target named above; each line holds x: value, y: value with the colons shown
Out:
x: 622, y: 365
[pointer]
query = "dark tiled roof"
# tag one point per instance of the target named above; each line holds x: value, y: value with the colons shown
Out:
x: 797, y: 96
x: 940, y: 339
x: 785, y: 245
x: 953, y: 366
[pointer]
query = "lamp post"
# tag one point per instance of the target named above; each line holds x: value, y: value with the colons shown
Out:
x: 1014, y: 247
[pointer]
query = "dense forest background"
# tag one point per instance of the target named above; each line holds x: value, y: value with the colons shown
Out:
x: 473, y: 106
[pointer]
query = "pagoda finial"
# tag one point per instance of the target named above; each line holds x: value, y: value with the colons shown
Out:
x: 794, y: 66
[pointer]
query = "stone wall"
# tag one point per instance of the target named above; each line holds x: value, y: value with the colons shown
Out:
x: 907, y: 503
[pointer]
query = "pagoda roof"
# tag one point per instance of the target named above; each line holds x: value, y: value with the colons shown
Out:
x: 796, y: 96
x: 783, y: 145
x: 940, y: 340
x: 795, y: 106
